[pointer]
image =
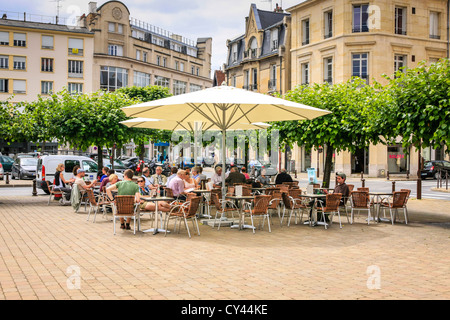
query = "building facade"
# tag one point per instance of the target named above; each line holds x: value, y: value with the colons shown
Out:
x: 334, y: 40
x: 40, y: 58
x: 130, y: 52
x: 258, y: 60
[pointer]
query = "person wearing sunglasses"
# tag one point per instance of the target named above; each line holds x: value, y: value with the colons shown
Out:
x: 149, y: 205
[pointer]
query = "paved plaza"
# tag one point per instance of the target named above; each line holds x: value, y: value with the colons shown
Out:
x: 51, y: 252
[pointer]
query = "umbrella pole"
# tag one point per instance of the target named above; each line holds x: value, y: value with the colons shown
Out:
x: 224, y: 166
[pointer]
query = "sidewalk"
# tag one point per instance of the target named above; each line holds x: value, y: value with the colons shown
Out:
x: 50, y: 252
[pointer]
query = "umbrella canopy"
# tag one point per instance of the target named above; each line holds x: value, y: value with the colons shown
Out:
x: 186, y: 125
x: 224, y: 107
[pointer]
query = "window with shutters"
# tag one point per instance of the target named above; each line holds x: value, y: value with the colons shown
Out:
x: 47, y: 64
x: 75, y: 69
x: 4, y: 85
x: 75, y: 88
x: 75, y: 46
x: 46, y: 87
x: 19, y: 63
x: 47, y: 42
x: 19, y: 86
x: 20, y: 39
x: 4, y: 38
x: 4, y: 62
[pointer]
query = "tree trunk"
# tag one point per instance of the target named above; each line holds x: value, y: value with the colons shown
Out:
x: 100, y: 158
x: 327, y: 167
x: 142, y: 151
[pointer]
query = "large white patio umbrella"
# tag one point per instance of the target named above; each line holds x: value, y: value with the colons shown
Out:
x: 223, y: 108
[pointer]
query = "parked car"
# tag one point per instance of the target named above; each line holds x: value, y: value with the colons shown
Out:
x: 119, y: 166
x: 24, y: 167
x: 7, y: 163
x: 259, y: 166
x: 46, y: 168
x: 431, y: 169
x: 2, y: 173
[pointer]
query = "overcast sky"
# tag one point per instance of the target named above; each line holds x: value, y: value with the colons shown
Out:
x: 219, y: 19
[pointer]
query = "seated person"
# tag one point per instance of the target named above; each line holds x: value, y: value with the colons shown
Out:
x: 244, y: 172
x: 235, y: 177
x: 283, y: 176
x: 263, y: 179
x: 60, y: 182
x: 150, y: 205
x: 177, y: 185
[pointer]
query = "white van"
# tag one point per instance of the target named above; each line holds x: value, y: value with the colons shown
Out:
x: 46, y: 168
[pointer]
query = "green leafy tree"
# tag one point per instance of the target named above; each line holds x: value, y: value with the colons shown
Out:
x: 350, y: 126
x: 144, y: 94
x: 421, y: 112
x: 11, y: 122
x: 92, y: 120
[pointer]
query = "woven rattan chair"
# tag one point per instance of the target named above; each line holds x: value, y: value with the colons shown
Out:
x: 222, y: 208
x: 363, y: 189
x: 271, y: 190
x: 291, y: 204
x: 259, y: 207
x: 275, y: 204
x: 360, y: 201
x: 126, y: 207
x: 397, y: 201
x: 52, y: 191
x: 184, y: 211
x: 331, y: 207
x: 95, y: 203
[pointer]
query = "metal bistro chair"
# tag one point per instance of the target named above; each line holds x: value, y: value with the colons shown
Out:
x: 397, y: 201
x: 360, y: 200
x: 124, y: 207
x: 259, y: 207
x: 96, y: 204
x: 291, y: 204
x: 222, y: 207
x: 331, y: 207
x: 275, y: 203
x: 184, y: 211
x: 53, y: 193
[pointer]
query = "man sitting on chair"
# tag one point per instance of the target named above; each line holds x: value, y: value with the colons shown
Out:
x: 127, y: 187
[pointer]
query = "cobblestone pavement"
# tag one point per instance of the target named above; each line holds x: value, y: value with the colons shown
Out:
x: 50, y: 252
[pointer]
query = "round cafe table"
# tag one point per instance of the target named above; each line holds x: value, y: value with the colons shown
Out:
x: 156, y: 200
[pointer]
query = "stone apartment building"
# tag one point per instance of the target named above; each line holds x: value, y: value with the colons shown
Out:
x: 106, y: 49
x: 333, y: 40
x: 131, y: 52
x: 38, y: 58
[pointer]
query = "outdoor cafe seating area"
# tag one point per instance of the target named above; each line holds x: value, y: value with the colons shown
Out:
x: 247, y: 207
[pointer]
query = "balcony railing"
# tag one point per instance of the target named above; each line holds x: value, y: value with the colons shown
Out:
x: 433, y: 36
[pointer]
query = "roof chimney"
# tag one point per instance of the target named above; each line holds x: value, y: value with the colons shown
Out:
x: 92, y: 7
x: 278, y: 9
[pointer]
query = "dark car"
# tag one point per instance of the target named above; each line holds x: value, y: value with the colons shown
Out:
x: 231, y: 162
x: 7, y: 163
x: 24, y: 167
x: 259, y: 166
x: 119, y: 166
x: 431, y: 169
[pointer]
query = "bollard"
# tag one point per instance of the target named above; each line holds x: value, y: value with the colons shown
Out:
x: 407, y: 174
x: 363, y: 182
x: 295, y: 172
x: 387, y: 174
x: 393, y: 186
x: 34, y: 188
x: 7, y: 177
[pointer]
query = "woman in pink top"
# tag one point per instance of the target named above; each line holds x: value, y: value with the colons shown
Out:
x: 244, y: 172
